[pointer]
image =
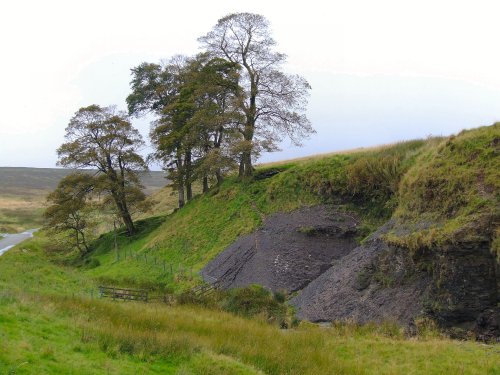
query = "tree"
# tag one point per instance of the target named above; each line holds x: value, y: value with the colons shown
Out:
x: 69, y: 209
x: 104, y: 139
x: 212, y: 87
x: 272, y: 102
x: 193, y: 102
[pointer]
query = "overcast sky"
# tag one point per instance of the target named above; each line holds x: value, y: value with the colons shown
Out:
x: 380, y: 70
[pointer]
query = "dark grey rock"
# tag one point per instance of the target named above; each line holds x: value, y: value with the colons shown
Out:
x: 288, y: 252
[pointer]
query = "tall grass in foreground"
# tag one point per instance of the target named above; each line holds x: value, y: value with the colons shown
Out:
x: 184, y: 335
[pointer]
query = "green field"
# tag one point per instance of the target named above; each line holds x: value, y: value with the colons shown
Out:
x: 51, y: 320
x: 51, y: 324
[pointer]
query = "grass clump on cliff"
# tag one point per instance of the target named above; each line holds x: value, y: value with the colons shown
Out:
x: 365, y: 181
x: 452, y: 192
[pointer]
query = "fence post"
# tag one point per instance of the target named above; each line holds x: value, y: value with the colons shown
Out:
x: 116, y: 242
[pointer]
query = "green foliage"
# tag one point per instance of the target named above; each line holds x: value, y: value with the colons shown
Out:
x: 193, y: 100
x: 102, y: 138
x: 254, y: 301
x: 271, y: 102
x: 71, y: 210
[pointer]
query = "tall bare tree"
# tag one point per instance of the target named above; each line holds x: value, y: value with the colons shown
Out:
x: 273, y: 102
x: 104, y: 139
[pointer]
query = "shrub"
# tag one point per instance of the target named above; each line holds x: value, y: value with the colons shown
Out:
x: 255, y: 301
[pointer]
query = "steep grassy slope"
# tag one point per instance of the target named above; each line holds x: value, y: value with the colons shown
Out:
x: 366, y: 182
x: 397, y: 179
x: 455, y: 189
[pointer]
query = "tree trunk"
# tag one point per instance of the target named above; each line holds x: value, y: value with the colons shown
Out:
x: 241, y: 171
x: 84, y: 242
x: 181, y: 196
x: 205, y: 184
x: 187, y: 168
x: 219, y: 177
x: 129, y: 224
x: 78, y: 242
x: 247, y: 154
x: 247, y: 160
x: 123, y: 211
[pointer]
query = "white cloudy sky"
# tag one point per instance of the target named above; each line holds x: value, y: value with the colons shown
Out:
x: 380, y: 70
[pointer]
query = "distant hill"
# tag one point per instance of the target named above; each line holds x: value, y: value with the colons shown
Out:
x: 23, y: 192
x: 14, y: 178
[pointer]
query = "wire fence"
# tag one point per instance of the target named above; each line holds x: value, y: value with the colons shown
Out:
x: 175, y: 269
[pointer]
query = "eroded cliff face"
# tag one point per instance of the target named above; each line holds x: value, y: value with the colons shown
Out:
x: 373, y: 283
x: 455, y: 285
x: 288, y: 252
x: 465, y: 293
x: 313, y: 251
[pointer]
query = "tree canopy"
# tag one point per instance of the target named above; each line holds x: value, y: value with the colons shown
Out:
x: 69, y: 209
x: 272, y: 101
x: 223, y: 107
x: 104, y: 139
x: 193, y: 100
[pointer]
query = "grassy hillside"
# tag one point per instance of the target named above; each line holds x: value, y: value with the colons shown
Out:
x: 454, y: 189
x: 23, y: 192
x: 366, y: 182
x: 52, y: 322
x: 395, y: 180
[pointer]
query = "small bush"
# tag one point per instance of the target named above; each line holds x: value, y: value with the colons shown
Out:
x: 255, y: 301
x: 90, y: 263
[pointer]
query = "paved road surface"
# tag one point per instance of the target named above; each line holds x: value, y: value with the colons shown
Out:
x: 11, y: 240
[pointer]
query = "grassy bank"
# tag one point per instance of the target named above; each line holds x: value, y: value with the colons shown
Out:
x: 392, y: 181
x: 73, y: 335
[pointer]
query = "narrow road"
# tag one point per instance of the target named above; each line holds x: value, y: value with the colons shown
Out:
x: 11, y: 240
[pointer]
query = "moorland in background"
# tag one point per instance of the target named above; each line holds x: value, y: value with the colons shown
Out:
x: 23, y: 193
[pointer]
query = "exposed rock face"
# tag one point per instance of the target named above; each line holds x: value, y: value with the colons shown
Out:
x: 313, y: 251
x: 465, y: 292
x: 374, y: 282
x: 288, y: 252
x: 455, y: 285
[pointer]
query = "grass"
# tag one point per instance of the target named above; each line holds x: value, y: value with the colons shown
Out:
x: 22, y: 211
x: 454, y: 186
x: 376, y: 183
x: 55, y: 334
x: 50, y: 322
